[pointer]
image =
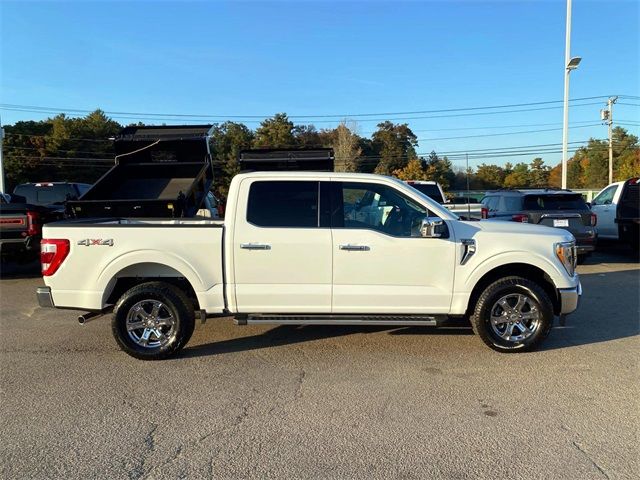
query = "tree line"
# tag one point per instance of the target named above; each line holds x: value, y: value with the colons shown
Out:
x: 65, y: 148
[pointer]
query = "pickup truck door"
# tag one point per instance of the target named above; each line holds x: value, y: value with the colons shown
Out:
x: 381, y: 264
x: 282, y: 247
x: 605, y: 209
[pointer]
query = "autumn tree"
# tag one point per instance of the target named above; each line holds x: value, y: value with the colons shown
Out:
x: 414, y: 170
x: 346, y: 148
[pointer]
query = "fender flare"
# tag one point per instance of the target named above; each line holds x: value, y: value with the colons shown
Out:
x: 559, y: 279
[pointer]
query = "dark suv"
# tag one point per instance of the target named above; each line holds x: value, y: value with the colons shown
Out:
x: 50, y: 194
x: 549, y: 207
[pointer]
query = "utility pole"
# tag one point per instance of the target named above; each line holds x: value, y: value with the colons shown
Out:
x: 607, y: 117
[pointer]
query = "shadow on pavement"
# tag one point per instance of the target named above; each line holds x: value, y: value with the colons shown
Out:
x: 292, y: 334
x: 609, y: 310
x: 14, y: 269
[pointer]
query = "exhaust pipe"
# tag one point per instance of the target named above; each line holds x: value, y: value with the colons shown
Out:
x: 87, y: 317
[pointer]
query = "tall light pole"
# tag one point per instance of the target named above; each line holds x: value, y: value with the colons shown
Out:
x: 569, y: 64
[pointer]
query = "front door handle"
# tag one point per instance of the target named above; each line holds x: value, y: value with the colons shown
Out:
x: 354, y: 248
x: 255, y: 246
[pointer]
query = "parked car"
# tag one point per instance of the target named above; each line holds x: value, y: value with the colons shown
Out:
x: 549, y: 207
x: 433, y: 190
x: 289, y: 252
x: 617, y: 207
x: 50, y: 194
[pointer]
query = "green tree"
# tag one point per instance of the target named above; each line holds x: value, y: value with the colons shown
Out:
x: 519, y: 177
x: 275, y: 132
x: 439, y: 170
x: 539, y: 174
x: 395, y: 143
x: 228, y: 139
x: 490, y: 176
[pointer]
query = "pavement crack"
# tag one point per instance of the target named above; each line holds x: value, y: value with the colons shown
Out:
x: 593, y: 462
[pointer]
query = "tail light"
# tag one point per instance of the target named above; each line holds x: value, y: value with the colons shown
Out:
x: 520, y: 217
x: 34, y: 225
x: 484, y: 212
x: 52, y: 254
x: 594, y: 219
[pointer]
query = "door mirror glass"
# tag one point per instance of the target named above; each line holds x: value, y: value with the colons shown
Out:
x: 431, y: 227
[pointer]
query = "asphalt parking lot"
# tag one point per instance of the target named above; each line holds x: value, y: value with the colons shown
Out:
x: 324, y: 402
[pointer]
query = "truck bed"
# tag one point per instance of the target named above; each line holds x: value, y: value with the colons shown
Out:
x: 103, y: 251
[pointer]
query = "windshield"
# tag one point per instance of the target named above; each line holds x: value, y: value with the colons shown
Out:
x: 554, y: 202
x: 430, y: 190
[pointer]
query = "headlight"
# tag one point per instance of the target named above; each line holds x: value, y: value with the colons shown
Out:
x: 566, y: 253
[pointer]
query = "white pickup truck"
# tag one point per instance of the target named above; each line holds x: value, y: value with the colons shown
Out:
x: 293, y: 249
x: 617, y: 207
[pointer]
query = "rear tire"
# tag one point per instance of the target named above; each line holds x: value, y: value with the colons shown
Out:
x: 513, y: 314
x: 153, y: 321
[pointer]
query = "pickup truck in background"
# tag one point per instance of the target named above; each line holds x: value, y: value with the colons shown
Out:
x: 31, y: 205
x: 433, y: 190
x: 618, y: 209
x: 291, y: 251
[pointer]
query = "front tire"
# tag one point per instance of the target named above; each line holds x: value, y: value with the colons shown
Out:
x: 153, y: 321
x: 513, y: 314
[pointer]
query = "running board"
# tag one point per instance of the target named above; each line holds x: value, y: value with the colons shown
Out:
x: 398, y: 320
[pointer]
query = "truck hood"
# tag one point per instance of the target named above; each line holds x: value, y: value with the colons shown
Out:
x: 467, y: 229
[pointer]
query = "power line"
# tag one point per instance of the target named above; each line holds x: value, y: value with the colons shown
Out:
x: 506, y: 133
x: 45, y: 109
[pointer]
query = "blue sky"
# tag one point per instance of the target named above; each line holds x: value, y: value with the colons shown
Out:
x: 324, y: 58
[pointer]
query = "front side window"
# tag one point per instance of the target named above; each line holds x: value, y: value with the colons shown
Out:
x: 377, y: 207
x: 606, y: 197
x: 290, y: 204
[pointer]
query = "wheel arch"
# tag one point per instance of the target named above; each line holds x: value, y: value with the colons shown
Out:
x: 148, y: 271
x: 525, y: 270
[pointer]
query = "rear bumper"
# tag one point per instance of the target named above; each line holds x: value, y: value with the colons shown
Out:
x: 44, y: 297
x: 569, y: 299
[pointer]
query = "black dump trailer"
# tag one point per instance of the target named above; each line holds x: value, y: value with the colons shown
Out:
x: 163, y: 171
x: 278, y: 160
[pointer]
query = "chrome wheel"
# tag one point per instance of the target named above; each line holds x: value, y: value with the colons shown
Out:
x: 515, y: 317
x: 151, y: 324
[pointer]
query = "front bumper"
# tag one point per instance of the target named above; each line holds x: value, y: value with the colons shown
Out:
x: 569, y: 299
x: 44, y: 297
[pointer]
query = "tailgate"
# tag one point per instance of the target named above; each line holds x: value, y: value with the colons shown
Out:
x: 13, y: 226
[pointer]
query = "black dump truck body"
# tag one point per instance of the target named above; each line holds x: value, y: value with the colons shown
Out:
x: 159, y: 172
x: 278, y: 160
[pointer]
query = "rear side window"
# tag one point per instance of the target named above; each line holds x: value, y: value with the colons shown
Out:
x: 554, y: 202
x: 512, y: 204
x: 283, y: 204
x: 491, y: 203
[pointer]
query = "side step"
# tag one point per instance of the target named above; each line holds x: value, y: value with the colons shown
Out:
x: 310, y: 319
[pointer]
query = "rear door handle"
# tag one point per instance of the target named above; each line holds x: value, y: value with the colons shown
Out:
x: 354, y: 248
x: 255, y: 246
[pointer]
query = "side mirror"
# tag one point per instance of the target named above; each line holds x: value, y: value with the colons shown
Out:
x: 429, y: 227
x: 589, y: 204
